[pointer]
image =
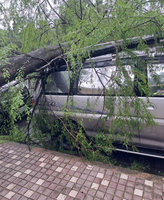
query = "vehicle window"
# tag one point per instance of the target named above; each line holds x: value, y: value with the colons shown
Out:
x: 93, y: 80
x: 58, y: 82
x: 156, y: 79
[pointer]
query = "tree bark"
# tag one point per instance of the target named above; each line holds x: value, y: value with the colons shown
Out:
x: 30, y: 62
x: 34, y: 60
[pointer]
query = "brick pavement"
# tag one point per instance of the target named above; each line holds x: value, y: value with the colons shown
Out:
x: 47, y: 175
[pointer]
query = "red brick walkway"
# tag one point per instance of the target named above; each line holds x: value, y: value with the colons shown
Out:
x: 46, y: 175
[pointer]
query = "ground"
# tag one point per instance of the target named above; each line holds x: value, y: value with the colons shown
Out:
x: 47, y: 175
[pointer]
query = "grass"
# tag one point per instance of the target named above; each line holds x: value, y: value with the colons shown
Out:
x: 4, y: 138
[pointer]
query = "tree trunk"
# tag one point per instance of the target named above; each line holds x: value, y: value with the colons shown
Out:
x: 30, y: 62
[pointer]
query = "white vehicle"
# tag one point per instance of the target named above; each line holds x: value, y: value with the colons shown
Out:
x: 86, y: 93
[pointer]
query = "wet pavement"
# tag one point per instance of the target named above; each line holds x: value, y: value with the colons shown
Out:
x: 46, y: 175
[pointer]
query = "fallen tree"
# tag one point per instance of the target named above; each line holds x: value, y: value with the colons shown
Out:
x: 55, y: 56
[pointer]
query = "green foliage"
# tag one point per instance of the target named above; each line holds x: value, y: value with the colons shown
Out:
x: 80, y: 23
x: 10, y: 105
x: 61, y: 134
x: 13, y: 108
x: 139, y: 166
x: 4, y: 139
x: 37, y: 35
x: 66, y: 135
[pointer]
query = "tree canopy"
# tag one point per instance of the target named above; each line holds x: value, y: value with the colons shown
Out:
x: 30, y: 24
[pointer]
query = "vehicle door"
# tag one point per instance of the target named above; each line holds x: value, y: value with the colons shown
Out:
x: 96, y: 99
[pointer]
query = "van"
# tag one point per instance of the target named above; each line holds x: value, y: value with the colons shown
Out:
x: 86, y: 94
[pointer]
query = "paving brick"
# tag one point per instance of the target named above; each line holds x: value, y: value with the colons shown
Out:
x: 148, y: 195
x: 97, y: 180
x: 121, y: 187
x: 11, y: 186
x: 9, y: 195
x: 95, y: 186
x: 28, y: 185
x: 16, y: 188
x: 74, y: 168
x: 105, y: 182
x: 61, y: 197
x: 149, y: 183
x: 113, y: 185
x: 100, y: 175
x: 70, y: 184
x: 11, y: 151
x: 89, y: 167
x: 157, y: 191
x: 29, y: 193
x: 129, y: 190
x: 157, y: 197
x: 124, y: 176
x: 102, y: 188
x: 138, y: 192
x: 16, y: 197
x: 108, y: 197
x: 28, y: 171
x: 35, y: 196
x: 17, y: 174
x: 158, y: 186
x: 8, y: 165
x: 13, y: 157
x: 40, y: 182
x: 22, y: 191
x: 41, y: 159
x: 137, y: 198
x: 119, y: 193
x: 55, y: 158
x: 140, y: 180
x: 100, y: 194
x: 117, y: 198
x: 130, y: 183
x: 74, y: 179
x: 47, y: 192
x: 88, y: 197
x: 92, y: 192
x: 128, y: 196
x: 42, y: 197
x: 59, y: 169
x: 139, y: 186
x: 73, y: 193
x: 122, y: 181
